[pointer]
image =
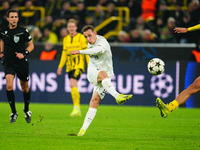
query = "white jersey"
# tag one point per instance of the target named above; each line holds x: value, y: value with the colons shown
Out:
x: 100, y: 56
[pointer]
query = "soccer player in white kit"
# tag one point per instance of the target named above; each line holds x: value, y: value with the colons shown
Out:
x: 99, y: 73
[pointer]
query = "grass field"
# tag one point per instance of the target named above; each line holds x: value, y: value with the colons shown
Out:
x: 114, y: 127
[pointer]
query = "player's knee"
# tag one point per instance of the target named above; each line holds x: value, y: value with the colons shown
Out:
x: 94, y: 102
x: 25, y: 89
x: 9, y: 87
x: 101, y: 76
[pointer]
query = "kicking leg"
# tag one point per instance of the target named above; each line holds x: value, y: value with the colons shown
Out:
x: 180, y: 99
x: 106, y: 83
x: 185, y: 94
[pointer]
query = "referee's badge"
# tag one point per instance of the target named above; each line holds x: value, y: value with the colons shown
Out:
x: 16, y: 39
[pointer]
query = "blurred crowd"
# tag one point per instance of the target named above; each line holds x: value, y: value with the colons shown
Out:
x: 150, y: 20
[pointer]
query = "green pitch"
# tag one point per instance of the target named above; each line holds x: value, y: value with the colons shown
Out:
x: 114, y: 127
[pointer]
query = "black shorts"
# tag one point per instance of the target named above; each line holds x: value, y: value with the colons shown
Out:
x: 20, y: 68
x: 76, y: 74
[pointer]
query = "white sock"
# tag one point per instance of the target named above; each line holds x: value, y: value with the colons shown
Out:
x: 110, y: 87
x: 89, y: 117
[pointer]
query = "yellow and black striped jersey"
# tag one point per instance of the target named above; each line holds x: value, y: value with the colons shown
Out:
x: 78, y: 42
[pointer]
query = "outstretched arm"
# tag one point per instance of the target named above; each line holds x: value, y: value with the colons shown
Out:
x: 185, y: 30
x: 90, y: 51
x: 181, y: 30
x: 75, y: 52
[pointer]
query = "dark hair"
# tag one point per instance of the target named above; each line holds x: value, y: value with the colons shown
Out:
x: 88, y: 27
x: 10, y: 11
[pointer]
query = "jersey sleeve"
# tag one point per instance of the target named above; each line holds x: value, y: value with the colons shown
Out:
x: 63, y: 58
x: 91, y: 51
x: 196, y: 27
x: 27, y: 35
x: 100, y: 47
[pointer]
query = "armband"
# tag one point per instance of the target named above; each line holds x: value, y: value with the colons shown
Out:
x: 25, y: 53
x: 1, y: 52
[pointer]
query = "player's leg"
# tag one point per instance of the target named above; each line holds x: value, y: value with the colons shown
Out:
x: 180, y: 99
x: 106, y: 82
x: 74, y: 77
x: 11, y: 97
x: 185, y: 94
x: 26, y: 95
x: 94, y: 103
x: 75, y: 98
x: 22, y: 71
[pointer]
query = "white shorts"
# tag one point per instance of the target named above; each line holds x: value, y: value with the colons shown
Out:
x: 100, y: 90
x: 92, y: 75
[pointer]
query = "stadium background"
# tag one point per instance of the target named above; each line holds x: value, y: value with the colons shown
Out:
x: 130, y: 57
x: 131, y: 76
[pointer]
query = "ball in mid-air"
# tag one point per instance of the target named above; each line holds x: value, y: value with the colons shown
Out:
x: 156, y: 66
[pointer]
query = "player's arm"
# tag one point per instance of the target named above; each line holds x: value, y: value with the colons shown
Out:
x: 91, y: 51
x: 30, y: 47
x: 185, y: 30
x: 63, y: 58
x: 180, y: 30
x: 28, y: 50
x: 2, y: 49
x: 196, y: 27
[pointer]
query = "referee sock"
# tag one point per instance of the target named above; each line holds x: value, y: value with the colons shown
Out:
x: 110, y: 88
x: 26, y: 100
x: 11, y: 100
x: 89, y: 117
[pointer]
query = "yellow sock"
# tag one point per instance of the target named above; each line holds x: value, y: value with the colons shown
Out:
x: 75, y: 96
x: 173, y: 105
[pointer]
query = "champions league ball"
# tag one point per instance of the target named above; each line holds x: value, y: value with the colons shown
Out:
x: 156, y: 66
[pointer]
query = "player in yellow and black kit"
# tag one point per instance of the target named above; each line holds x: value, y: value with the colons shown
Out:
x: 75, y: 64
x: 166, y: 109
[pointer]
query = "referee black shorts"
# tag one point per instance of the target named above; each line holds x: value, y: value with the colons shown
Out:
x: 20, y: 68
x: 75, y: 74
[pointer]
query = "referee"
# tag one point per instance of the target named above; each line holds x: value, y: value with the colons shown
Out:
x: 13, y: 53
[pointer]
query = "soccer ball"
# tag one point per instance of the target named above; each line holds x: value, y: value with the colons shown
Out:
x: 156, y: 66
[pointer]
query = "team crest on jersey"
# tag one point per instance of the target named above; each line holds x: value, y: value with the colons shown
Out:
x: 16, y: 39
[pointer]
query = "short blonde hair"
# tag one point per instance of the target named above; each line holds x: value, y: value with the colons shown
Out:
x: 72, y: 21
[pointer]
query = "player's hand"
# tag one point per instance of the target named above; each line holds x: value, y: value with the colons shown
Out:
x: 75, y: 52
x: 180, y: 30
x: 59, y: 71
x: 77, y: 72
x: 19, y: 55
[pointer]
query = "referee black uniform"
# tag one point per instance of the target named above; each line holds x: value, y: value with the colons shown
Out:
x: 14, y: 41
x: 14, y: 52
